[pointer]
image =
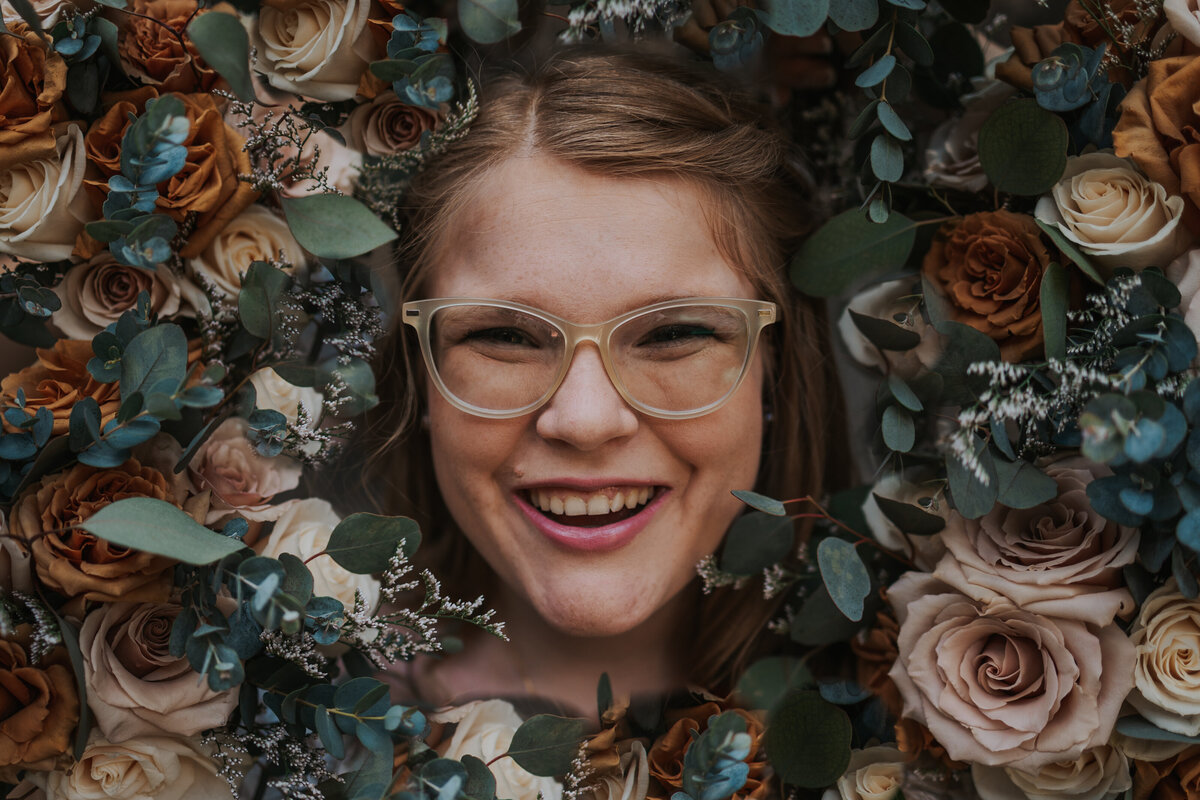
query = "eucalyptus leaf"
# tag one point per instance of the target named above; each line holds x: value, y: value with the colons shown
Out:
x: 545, y: 745
x: 973, y: 497
x: 334, y: 226
x: 156, y: 526
x: 850, y: 248
x: 887, y: 159
x: 808, y: 740
x: 224, y: 44
x: 489, y: 21
x: 70, y: 640
x: 156, y: 354
x: 797, y: 17
x: 845, y: 576
x: 909, y: 517
x: 760, y: 502
x: 754, y: 542
x: 877, y: 73
x: 1022, y: 485
x: 1140, y: 728
x: 883, y: 333
x: 903, y: 393
x: 1023, y: 148
x: 364, y: 543
x: 891, y: 121
x: 1069, y: 250
x: 899, y: 432
x: 1053, y: 300
x: 767, y: 680
x: 854, y: 15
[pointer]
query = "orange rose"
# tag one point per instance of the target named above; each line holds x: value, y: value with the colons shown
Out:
x: 206, y: 194
x: 1176, y: 778
x: 33, y: 79
x: 1160, y: 130
x: 989, y: 266
x: 39, y: 706
x: 876, y: 652
x: 666, y: 756
x: 77, y: 564
x: 150, y: 47
x: 58, y: 381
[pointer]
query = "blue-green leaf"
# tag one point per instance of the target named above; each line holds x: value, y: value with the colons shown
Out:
x: 797, y: 17
x: 845, y: 575
x: 489, y: 21
x: 545, y: 745
x: 334, y: 226
x: 156, y: 354
x: 760, y: 502
x: 899, y: 432
x: 223, y: 43
x: 156, y: 526
x: 848, y: 248
x: 877, y: 73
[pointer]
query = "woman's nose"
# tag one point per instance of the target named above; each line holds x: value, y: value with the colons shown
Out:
x: 586, y: 411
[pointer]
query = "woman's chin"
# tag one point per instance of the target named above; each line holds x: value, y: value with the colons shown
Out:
x: 596, y: 609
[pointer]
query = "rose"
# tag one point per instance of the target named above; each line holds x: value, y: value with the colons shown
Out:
x: 952, y: 157
x: 1184, y: 16
x: 921, y: 496
x: 386, y: 126
x: 1002, y: 686
x: 1115, y: 215
x: 898, y: 305
x: 1060, y: 558
x: 48, y: 11
x: 58, y: 380
x: 303, y: 529
x: 96, y: 293
x: 321, y: 155
x: 207, y: 189
x: 257, y: 234
x: 1184, y: 272
x: 485, y: 729
x: 1166, y: 682
x: 135, y: 686
x: 34, y: 78
x: 155, y: 49
x: 239, y: 478
x: 989, y: 266
x: 1176, y: 777
x: 39, y: 706
x: 316, y: 48
x: 41, y: 206
x: 1100, y: 773
x: 1159, y: 129
x: 629, y: 781
x: 876, y: 773
x: 76, y: 563
x: 145, y: 768
x: 273, y: 392
x: 875, y: 653
x: 668, y: 752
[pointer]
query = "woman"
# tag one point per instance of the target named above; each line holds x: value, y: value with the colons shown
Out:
x: 602, y: 187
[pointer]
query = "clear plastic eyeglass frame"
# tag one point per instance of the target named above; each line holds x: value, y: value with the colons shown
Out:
x: 418, y: 313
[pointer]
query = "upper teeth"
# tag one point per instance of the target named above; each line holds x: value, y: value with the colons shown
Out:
x: 575, y: 504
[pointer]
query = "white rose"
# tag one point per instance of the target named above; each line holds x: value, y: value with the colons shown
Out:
x: 897, y: 303
x: 257, y: 234
x: 1184, y: 16
x: 952, y: 157
x: 1184, y: 272
x: 928, y: 496
x: 1101, y: 773
x: 485, y: 729
x: 303, y: 529
x: 41, y: 206
x: 49, y: 11
x: 95, y: 294
x: 145, y: 768
x: 876, y: 773
x: 317, y: 48
x: 630, y: 781
x: 239, y: 479
x: 1114, y: 214
x: 275, y: 393
x: 322, y: 153
x: 1166, y: 683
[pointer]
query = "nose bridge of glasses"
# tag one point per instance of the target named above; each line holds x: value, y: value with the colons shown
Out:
x: 596, y: 334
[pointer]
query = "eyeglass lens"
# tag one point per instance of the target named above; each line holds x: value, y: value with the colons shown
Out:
x: 675, y: 359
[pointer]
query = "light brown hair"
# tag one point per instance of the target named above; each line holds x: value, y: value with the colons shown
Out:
x: 633, y: 115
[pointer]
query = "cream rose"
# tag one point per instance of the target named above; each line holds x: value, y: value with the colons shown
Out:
x: 256, y: 234
x: 952, y: 157
x: 927, y: 496
x: 876, y: 773
x: 145, y: 768
x: 96, y: 293
x: 1061, y: 558
x: 1184, y: 16
x: 1101, y: 773
x: 1184, y: 272
x: 485, y: 729
x: 386, y: 126
x: 303, y: 529
x: 316, y: 48
x: 1001, y: 686
x: 49, y: 11
x: 1166, y: 677
x: 899, y: 303
x: 42, y: 208
x: 1114, y: 214
x: 239, y: 479
x: 135, y: 686
x: 274, y: 392
x: 630, y: 780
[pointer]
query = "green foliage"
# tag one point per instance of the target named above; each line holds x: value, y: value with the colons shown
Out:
x: 713, y: 765
x: 755, y: 541
x: 262, y: 303
x: 908, y: 517
x: 1068, y: 249
x: 1022, y: 485
x: 845, y: 576
x: 364, y: 543
x: 759, y: 502
x: 1053, y: 301
x: 974, y: 494
x: 808, y: 740
x: 155, y: 359
x: 797, y: 17
x: 489, y: 21
x: 767, y: 680
x: 899, y: 432
x: 545, y: 745
x: 224, y: 44
x: 334, y: 226
x: 155, y: 526
x: 1023, y: 148
x: 850, y: 248
x: 854, y: 15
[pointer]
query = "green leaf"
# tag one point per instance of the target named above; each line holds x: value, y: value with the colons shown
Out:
x: 849, y: 248
x: 1053, y: 301
x: 1069, y: 250
x: 364, y: 543
x: 28, y: 14
x: 298, y: 582
x: 904, y: 394
x: 489, y: 21
x: 760, y: 502
x: 808, y: 740
x: 845, y: 576
x: 884, y: 334
x: 963, y: 346
x: 914, y: 44
x: 224, y: 45
x: 819, y: 621
x: 546, y: 745
x: 971, y: 496
x: 156, y: 526
x: 865, y: 119
x: 70, y: 640
x: 156, y: 354
x: 604, y: 695
x: 877, y: 73
x: 1022, y: 485
x: 797, y: 17
x: 887, y: 159
x: 754, y: 542
x: 899, y: 433
x: 854, y: 15
x: 1023, y: 148
x: 481, y: 783
x: 259, y: 301
x: 1141, y: 728
x: 891, y: 121
x: 331, y: 737
x: 334, y: 226
x: 909, y: 517
x: 770, y: 678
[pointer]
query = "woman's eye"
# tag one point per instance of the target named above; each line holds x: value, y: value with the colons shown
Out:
x: 512, y: 337
x: 676, y: 334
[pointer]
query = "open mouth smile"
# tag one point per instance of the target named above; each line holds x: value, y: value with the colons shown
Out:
x: 600, y: 519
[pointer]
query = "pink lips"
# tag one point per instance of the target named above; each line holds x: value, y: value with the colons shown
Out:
x: 605, y: 537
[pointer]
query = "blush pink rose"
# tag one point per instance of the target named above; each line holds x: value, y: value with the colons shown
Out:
x: 135, y: 686
x: 239, y: 478
x: 1002, y: 686
x: 1060, y: 558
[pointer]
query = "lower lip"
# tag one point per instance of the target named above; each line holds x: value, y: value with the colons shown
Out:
x: 606, y: 537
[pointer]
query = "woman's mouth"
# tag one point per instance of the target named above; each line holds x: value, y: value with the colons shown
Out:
x: 598, y: 519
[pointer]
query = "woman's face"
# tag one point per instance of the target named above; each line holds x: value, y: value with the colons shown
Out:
x: 589, y: 248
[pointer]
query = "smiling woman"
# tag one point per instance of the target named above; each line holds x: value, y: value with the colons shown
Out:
x: 590, y: 273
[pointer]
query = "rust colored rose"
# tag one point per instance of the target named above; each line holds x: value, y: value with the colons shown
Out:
x: 1160, y: 130
x: 33, y: 79
x: 203, y: 196
x: 1176, y: 778
x: 77, y: 564
x: 386, y: 126
x: 989, y: 266
x: 58, y: 380
x: 150, y: 47
x: 875, y: 651
x: 667, y: 754
x: 39, y: 706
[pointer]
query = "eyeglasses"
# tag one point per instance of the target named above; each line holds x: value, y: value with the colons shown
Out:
x: 674, y: 360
